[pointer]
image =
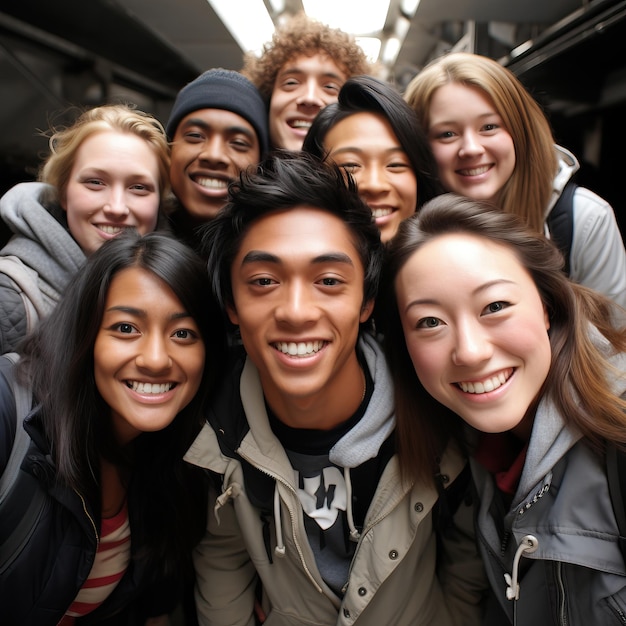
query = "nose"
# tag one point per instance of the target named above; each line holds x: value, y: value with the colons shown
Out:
x: 470, y: 145
x: 311, y: 95
x: 153, y: 355
x: 116, y: 203
x: 213, y: 150
x: 297, y: 307
x: 371, y: 180
x: 472, y: 345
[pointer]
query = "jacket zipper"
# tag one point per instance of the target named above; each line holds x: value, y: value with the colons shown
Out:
x: 561, y: 589
x: 93, y: 524
x: 292, y: 517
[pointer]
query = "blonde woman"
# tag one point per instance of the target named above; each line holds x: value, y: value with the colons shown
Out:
x: 106, y: 173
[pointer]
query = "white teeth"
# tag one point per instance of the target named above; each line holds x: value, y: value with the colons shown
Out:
x: 212, y: 183
x: 110, y: 230
x: 382, y: 212
x: 475, y: 171
x: 149, y: 388
x: 486, y: 385
x: 299, y: 349
x: 301, y: 124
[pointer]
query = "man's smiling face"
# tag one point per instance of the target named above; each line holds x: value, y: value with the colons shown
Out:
x: 210, y: 148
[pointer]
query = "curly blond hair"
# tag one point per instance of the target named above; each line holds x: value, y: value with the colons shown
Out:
x: 303, y: 35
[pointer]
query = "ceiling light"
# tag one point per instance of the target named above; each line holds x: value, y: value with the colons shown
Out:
x: 409, y: 7
x: 390, y: 52
x: 370, y: 46
x: 348, y: 15
x: 248, y: 22
x: 278, y: 6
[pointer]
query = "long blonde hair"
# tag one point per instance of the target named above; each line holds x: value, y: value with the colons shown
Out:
x: 528, y: 190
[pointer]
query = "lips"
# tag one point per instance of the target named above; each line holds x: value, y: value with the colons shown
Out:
x: 475, y: 171
x: 210, y: 182
x: 300, y: 124
x: 149, y: 388
x: 110, y: 229
x: 381, y: 211
x: 487, y: 384
x: 300, y: 348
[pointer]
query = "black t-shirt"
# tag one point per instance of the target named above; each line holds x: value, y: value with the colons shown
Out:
x: 323, y: 491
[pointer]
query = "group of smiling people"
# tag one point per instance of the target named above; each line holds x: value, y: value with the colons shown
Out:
x: 340, y: 379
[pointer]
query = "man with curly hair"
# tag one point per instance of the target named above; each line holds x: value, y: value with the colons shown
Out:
x: 301, y: 71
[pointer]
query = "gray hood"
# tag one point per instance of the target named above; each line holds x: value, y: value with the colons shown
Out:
x: 567, y: 166
x: 551, y: 437
x: 363, y: 442
x: 39, y: 240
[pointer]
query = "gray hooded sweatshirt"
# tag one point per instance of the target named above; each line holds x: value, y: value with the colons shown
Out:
x: 36, y: 264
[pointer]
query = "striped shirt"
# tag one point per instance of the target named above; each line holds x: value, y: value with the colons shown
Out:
x: 110, y: 564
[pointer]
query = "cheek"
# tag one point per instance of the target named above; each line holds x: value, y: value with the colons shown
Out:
x: 195, y: 370
x: 443, y: 154
x: 278, y: 101
x: 407, y: 190
x: 426, y: 362
x: 148, y: 215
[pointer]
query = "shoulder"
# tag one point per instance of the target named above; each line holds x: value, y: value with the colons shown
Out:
x: 8, y: 421
x: 594, y: 221
x: 25, y: 197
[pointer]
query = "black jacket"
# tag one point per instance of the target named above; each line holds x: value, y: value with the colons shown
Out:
x: 39, y: 586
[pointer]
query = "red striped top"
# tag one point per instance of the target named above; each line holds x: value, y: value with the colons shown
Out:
x: 109, y: 566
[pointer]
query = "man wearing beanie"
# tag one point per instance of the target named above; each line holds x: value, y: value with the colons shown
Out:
x: 218, y: 127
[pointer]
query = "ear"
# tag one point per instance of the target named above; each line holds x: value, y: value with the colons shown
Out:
x: 546, y: 317
x: 232, y: 314
x: 366, y: 311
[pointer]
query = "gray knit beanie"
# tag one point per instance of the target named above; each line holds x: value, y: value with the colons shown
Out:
x: 222, y: 89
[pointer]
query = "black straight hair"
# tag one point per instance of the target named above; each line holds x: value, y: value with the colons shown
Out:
x: 366, y: 94
x: 287, y: 180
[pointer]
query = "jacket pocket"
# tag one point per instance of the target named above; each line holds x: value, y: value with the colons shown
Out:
x: 616, y: 605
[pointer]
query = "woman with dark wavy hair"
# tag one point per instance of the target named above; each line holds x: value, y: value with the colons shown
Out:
x: 491, y: 344
x: 375, y: 136
x: 119, y: 372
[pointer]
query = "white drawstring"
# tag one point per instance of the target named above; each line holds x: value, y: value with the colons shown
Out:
x: 528, y: 544
x: 279, y: 550
x: 354, y: 533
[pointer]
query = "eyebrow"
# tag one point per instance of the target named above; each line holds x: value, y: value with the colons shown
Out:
x: 130, y: 310
x: 481, y: 116
x: 483, y: 287
x: 298, y: 70
x: 358, y: 150
x: 259, y: 256
x: 194, y: 121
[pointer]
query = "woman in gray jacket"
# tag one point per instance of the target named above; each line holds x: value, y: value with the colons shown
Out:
x: 490, y: 334
x: 106, y: 173
x: 492, y: 141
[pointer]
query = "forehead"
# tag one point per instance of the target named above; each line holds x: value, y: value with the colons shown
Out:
x: 317, y: 64
x: 448, y: 98
x: 218, y: 120
x: 134, y: 285
x: 103, y: 142
x: 299, y: 234
x: 465, y: 259
x: 362, y: 129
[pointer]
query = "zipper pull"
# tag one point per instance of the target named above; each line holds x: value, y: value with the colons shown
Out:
x: 528, y: 545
